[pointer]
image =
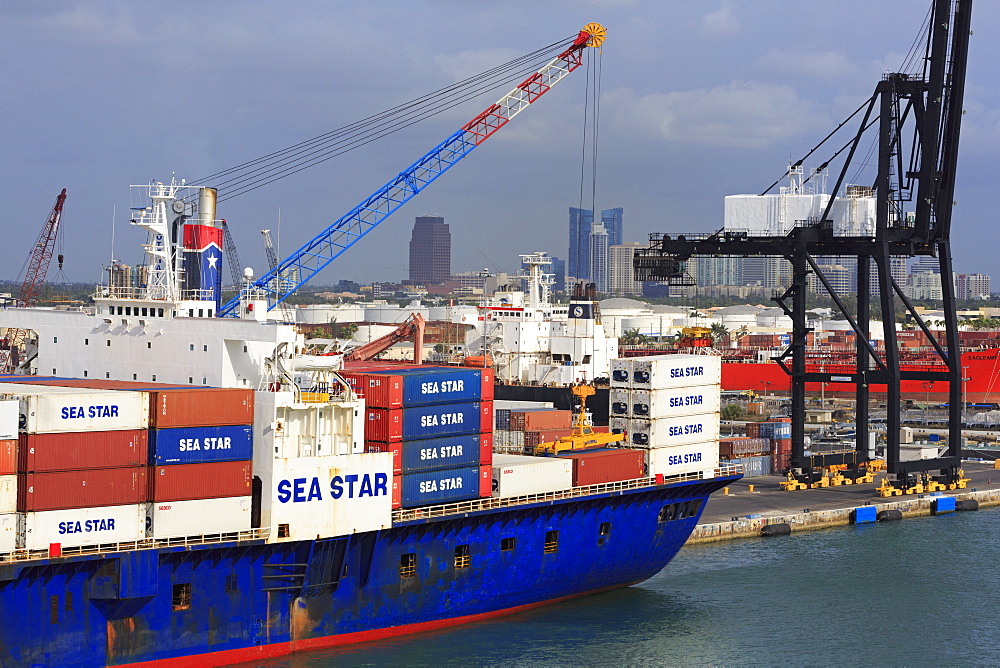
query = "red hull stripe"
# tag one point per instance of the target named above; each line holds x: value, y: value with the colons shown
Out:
x: 282, y: 649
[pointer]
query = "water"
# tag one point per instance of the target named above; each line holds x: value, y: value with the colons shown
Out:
x: 921, y: 592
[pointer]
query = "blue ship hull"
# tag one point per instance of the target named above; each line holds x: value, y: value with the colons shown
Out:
x: 231, y: 602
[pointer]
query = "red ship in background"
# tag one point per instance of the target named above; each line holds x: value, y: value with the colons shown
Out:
x: 748, y: 366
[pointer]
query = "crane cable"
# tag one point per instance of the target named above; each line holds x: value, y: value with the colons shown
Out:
x: 589, y: 140
x: 256, y: 173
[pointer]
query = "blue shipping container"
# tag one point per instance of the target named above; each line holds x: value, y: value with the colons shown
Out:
x: 755, y: 466
x: 502, y: 418
x: 429, y: 487
x: 197, y: 445
x: 439, y: 453
x: 422, y: 387
x: 442, y: 420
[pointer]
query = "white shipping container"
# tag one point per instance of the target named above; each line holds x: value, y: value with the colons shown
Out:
x: 515, y: 439
x: 620, y: 402
x: 8, y: 533
x: 619, y: 425
x: 653, y: 404
x: 326, y: 496
x: 194, y: 518
x: 510, y: 404
x: 668, y: 432
x: 621, y: 372
x: 683, y: 459
x: 8, y: 494
x: 660, y: 372
x: 81, y: 526
x: 8, y: 419
x: 516, y: 475
x: 49, y: 410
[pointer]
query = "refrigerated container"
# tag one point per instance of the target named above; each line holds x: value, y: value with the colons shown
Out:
x: 186, y: 482
x: 8, y: 494
x: 386, y: 425
x: 603, y: 466
x: 618, y: 425
x: 82, y: 450
x: 620, y: 402
x: 83, y: 526
x: 696, y: 400
x: 199, y: 517
x: 691, y: 458
x: 61, y: 490
x: 8, y: 418
x: 666, y: 432
x: 194, y: 445
x: 621, y: 373
x: 46, y: 410
x: 517, y: 475
x: 660, y: 372
x: 424, y: 488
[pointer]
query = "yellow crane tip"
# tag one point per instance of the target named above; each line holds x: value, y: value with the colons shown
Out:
x: 597, y: 34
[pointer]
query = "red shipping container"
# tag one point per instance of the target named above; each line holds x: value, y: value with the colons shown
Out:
x: 396, y: 448
x: 184, y: 482
x: 601, y: 466
x: 540, y: 420
x: 533, y: 438
x: 780, y: 463
x: 782, y: 446
x: 753, y: 429
x: 397, y: 492
x: 486, y: 448
x: 486, y: 416
x: 8, y: 457
x: 83, y: 450
x: 489, y: 379
x: 62, y: 490
x: 485, y: 481
x: 200, y: 407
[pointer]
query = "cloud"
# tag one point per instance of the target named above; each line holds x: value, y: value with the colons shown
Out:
x: 740, y: 115
x: 799, y: 62
x: 465, y: 64
x: 720, y: 22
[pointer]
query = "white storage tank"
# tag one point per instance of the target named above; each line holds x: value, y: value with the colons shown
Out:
x: 655, y: 404
x: 49, y: 410
x: 199, y: 517
x: 690, y: 458
x: 81, y: 526
x: 660, y: 372
x: 668, y: 432
x: 515, y: 475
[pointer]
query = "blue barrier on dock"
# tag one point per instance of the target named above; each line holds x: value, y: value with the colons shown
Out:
x: 944, y: 504
x: 864, y: 515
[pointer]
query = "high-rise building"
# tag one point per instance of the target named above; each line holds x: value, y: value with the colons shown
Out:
x: 599, y: 257
x: 621, y: 277
x: 972, y: 286
x: 612, y: 219
x: 725, y: 270
x: 559, y: 271
x: 925, y: 263
x: 580, y: 222
x: 430, y: 250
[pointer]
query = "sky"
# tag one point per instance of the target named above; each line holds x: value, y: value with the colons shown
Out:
x: 699, y: 100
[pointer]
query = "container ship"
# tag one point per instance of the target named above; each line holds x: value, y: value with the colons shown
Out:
x: 178, y: 488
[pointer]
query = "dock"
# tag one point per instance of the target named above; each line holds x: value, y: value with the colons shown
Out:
x: 753, y: 503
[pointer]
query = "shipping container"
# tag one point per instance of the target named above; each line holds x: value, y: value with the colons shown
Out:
x: 416, y: 387
x: 515, y: 475
x: 82, y: 450
x: 517, y: 405
x: 486, y: 480
x: 308, y: 497
x: 387, y: 425
x: 9, y: 413
x: 733, y: 448
x: 8, y: 456
x: 620, y: 402
x: 501, y: 418
x: 775, y: 430
x: 540, y: 420
x: 621, y: 373
x: 654, y: 404
x: 200, y: 407
x: 755, y: 466
x: 666, y: 432
x: 199, y: 517
x: 780, y: 463
x: 619, y: 425
x: 424, y: 488
x: 696, y: 457
x: 47, y: 410
x: 8, y: 533
x: 185, y: 482
x: 197, y: 445
x: 602, y: 466
x: 83, y: 526
x: 782, y: 445
x: 660, y: 372
x: 8, y: 494
x: 533, y: 438
x: 436, y: 453
x: 61, y: 490
x: 753, y: 429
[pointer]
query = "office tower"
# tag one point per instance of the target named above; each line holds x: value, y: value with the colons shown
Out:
x: 725, y: 270
x: 972, y: 286
x: 755, y: 271
x: 599, y: 257
x: 621, y: 277
x: 925, y: 263
x: 580, y: 222
x: 430, y: 250
x: 612, y: 221
x: 559, y: 271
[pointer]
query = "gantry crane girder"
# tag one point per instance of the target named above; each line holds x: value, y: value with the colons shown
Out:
x: 932, y: 104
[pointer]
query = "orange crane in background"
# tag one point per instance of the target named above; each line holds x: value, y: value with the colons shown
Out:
x: 34, y: 278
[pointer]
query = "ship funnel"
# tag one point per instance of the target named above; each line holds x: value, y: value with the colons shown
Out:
x: 206, y: 206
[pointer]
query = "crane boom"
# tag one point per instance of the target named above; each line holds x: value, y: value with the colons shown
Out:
x: 309, y: 260
x: 272, y: 255
x: 235, y: 268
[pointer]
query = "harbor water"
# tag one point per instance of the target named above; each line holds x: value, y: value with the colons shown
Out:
x: 920, y: 592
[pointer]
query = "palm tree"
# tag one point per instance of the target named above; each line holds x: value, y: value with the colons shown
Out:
x: 718, y: 333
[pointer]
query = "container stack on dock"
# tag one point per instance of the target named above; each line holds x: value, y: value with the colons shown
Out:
x: 99, y: 461
x: 668, y: 406
x: 438, y: 424
x: 766, y: 449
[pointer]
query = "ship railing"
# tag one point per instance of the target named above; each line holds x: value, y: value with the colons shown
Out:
x: 139, y: 544
x: 475, y: 505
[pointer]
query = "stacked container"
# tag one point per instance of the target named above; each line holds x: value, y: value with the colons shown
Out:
x: 668, y: 406
x: 8, y: 476
x: 436, y: 421
x: 519, y: 430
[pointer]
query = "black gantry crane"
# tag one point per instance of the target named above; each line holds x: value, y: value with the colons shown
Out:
x: 918, y: 120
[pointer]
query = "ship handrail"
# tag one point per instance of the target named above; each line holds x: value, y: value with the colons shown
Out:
x: 140, y: 544
x: 493, y: 503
